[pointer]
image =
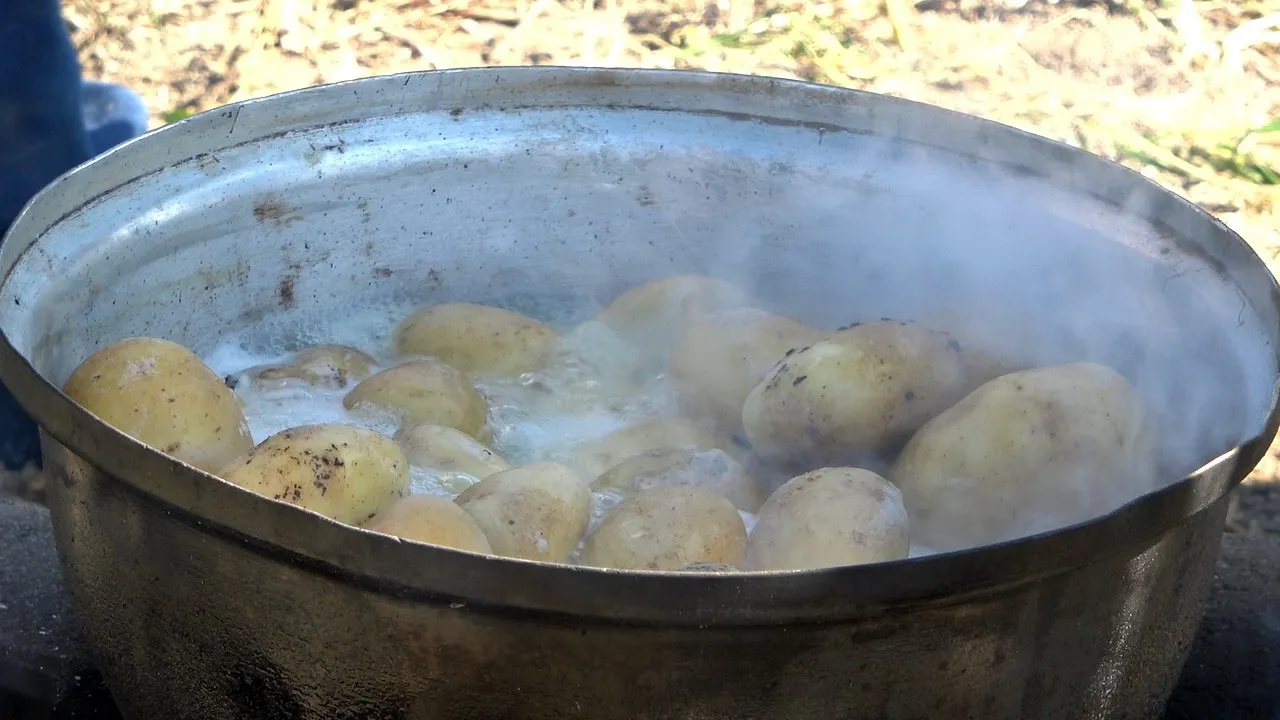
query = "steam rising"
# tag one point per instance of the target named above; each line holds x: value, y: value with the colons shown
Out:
x: 1009, y: 264
x: 830, y: 227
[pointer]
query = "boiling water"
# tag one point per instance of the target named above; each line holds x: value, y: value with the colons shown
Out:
x: 593, y: 387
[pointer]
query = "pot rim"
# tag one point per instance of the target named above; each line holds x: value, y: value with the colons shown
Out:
x: 427, y: 573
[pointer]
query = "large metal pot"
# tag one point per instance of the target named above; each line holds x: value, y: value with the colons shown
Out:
x: 513, y: 185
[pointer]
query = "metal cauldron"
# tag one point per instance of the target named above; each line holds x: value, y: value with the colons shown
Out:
x: 203, y: 601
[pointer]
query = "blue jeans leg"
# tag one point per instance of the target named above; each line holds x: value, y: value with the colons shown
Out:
x: 42, y: 135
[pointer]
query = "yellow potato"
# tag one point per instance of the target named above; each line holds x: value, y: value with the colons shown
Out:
x: 478, y: 339
x: 858, y: 392
x: 829, y: 517
x: 432, y: 520
x: 713, y: 470
x: 537, y: 511
x: 593, y: 457
x: 343, y: 472
x: 331, y: 366
x: 162, y: 395
x: 650, y: 315
x: 325, y: 365
x: 423, y: 391
x: 1027, y: 452
x: 665, y: 529
x: 720, y: 356
x: 445, y: 449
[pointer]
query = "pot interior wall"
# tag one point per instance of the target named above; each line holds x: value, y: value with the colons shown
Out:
x: 553, y: 210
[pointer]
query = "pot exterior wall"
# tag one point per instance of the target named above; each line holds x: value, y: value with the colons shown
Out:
x: 189, y: 622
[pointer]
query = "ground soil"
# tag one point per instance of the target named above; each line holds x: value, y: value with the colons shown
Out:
x: 1181, y: 90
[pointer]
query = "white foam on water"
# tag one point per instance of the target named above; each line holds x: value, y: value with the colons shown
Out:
x: 426, y: 481
x: 602, y: 503
x: 594, y: 385
x: 591, y: 388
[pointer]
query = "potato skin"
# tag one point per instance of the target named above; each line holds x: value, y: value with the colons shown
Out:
x: 537, y: 511
x: 163, y: 395
x: 829, y: 517
x: 649, y: 315
x: 322, y: 365
x: 665, y: 529
x: 720, y: 356
x: 478, y: 339
x: 327, y: 366
x: 447, y: 449
x: 1027, y: 452
x: 343, y: 472
x: 860, y: 392
x: 423, y: 391
x: 431, y: 520
x: 594, y: 457
x: 713, y: 470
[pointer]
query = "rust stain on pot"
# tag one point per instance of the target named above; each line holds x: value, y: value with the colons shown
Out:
x: 272, y: 209
x: 286, y: 286
x: 286, y: 292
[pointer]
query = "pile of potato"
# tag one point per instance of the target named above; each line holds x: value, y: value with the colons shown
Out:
x: 847, y: 446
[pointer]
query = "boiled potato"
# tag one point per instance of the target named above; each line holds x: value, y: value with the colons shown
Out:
x: 720, y: 356
x: 828, y: 518
x: 1027, y: 452
x: 712, y: 470
x: 343, y: 472
x: 432, y: 520
x: 859, y: 392
x: 478, y: 339
x: 537, y: 511
x: 650, y: 315
x: 665, y: 529
x: 162, y: 395
x: 446, y: 449
x: 332, y: 366
x: 423, y: 391
x: 593, y: 457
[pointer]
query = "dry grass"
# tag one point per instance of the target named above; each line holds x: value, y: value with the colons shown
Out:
x: 1187, y: 92
x: 1190, y: 92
